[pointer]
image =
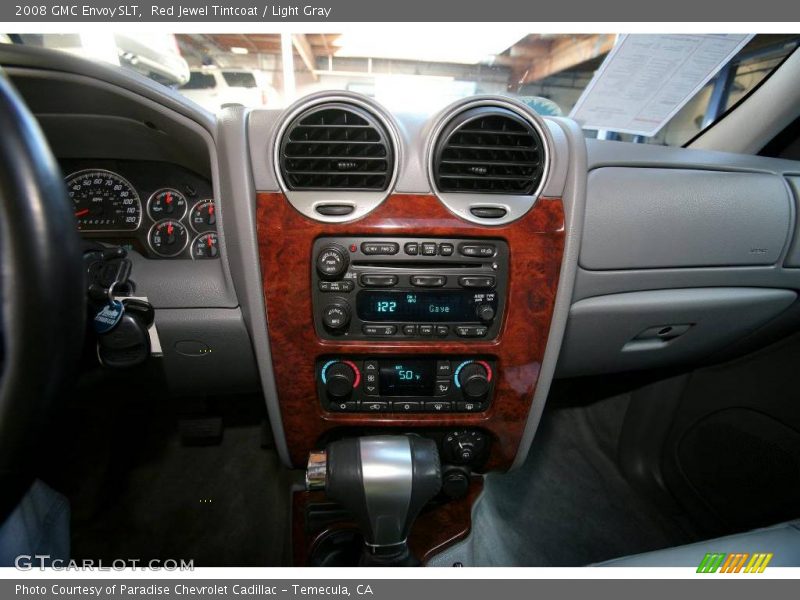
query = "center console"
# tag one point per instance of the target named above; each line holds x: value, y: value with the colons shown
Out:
x: 408, y: 320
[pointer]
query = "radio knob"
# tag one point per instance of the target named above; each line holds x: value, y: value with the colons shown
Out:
x: 332, y: 262
x: 336, y: 315
x: 339, y: 381
x: 474, y: 381
x: 485, y: 312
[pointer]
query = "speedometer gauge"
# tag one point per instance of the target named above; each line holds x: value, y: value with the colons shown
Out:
x: 104, y: 201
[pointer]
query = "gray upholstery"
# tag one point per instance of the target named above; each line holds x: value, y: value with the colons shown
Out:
x: 782, y: 540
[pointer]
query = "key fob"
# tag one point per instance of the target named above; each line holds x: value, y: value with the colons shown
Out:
x: 127, y: 345
x: 141, y: 309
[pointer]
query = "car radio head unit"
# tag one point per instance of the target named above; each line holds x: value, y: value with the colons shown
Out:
x: 400, y: 288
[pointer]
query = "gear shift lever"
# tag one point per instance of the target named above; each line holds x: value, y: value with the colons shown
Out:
x: 383, y: 481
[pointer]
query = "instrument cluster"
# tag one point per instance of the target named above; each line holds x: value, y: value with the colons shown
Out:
x: 159, y: 209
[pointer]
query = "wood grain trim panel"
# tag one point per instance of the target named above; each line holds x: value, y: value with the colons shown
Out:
x: 285, y: 237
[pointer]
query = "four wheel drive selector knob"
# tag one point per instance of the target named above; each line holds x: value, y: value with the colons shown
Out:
x: 332, y: 262
x: 473, y: 379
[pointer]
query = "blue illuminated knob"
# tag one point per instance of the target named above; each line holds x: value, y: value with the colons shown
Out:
x: 340, y: 378
x: 473, y: 379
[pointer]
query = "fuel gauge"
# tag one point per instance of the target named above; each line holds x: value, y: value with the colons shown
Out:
x: 205, y: 245
x: 168, y: 238
x: 204, y: 216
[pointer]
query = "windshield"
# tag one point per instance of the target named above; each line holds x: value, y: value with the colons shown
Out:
x: 657, y: 89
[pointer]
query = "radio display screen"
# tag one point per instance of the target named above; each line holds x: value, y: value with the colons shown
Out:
x: 413, y: 306
x: 406, y: 377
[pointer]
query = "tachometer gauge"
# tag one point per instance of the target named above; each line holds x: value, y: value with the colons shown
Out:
x: 168, y: 238
x: 204, y: 216
x: 104, y: 201
x: 205, y: 245
x: 166, y: 203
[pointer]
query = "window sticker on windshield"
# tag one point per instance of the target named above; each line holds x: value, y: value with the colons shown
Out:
x: 646, y: 79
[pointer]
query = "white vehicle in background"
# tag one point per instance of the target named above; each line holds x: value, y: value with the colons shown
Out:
x: 154, y: 55
x: 213, y: 87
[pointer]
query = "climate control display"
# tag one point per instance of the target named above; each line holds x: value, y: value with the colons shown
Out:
x: 406, y: 384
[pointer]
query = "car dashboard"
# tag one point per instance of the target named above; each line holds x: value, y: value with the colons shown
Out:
x: 428, y: 273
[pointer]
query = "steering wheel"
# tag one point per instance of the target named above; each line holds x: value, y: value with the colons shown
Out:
x: 42, y: 293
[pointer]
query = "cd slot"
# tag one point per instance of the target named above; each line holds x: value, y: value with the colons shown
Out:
x: 415, y: 265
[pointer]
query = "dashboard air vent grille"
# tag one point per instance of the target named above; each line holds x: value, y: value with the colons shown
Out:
x: 336, y: 147
x: 489, y: 150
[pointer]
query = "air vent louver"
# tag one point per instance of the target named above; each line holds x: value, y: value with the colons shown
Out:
x: 489, y: 150
x: 336, y: 147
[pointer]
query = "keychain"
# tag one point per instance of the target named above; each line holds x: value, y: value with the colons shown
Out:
x: 111, y: 313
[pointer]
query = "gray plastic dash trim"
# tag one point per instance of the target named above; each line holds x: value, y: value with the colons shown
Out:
x: 618, y: 332
x: 237, y: 184
x: 639, y: 218
x: 574, y: 198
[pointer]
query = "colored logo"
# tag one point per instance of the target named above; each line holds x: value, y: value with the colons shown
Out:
x: 718, y: 562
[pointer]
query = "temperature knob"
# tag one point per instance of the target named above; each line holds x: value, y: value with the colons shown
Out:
x: 340, y: 378
x: 473, y: 379
x: 332, y: 262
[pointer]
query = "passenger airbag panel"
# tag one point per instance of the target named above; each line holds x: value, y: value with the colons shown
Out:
x: 643, y: 218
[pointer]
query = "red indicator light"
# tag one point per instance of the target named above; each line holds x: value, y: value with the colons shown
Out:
x: 353, y: 247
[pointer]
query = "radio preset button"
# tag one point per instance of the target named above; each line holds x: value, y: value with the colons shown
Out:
x: 378, y: 280
x: 477, y: 250
x: 384, y: 248
x: 429, y: 249
x: 426, y: 330
x: 406, y: 406
x: 446, y: 249
x: 345, y: 285
x: 411, y: 248
x: 442, y: 330
x: 428, y: 280
x: 476, y: 281
x: 409, y: 330
x: 471, y: 331
x: 379, y: 330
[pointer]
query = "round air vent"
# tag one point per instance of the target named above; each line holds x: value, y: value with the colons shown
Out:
x: 336, y: 146
x: 489, y: 150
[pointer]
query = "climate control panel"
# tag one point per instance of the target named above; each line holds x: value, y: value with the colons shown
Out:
x: 406, y: 384
x: 401, y: 288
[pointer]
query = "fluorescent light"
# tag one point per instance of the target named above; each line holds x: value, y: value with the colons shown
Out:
x: 402, y: 45
x: 239, y: 50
